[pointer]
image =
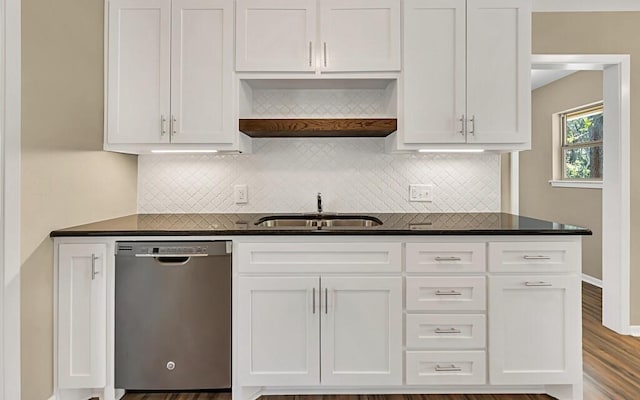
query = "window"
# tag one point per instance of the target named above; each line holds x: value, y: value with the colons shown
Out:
x: 581, y: 132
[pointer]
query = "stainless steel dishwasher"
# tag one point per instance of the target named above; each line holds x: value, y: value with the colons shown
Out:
x: 173, y: 315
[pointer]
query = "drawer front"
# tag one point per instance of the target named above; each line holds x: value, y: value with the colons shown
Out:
x: 319, y: 257
x: 435, y: 331
x: 446, y: 293
x: 446, y: 257
x: 446, y: 368
x: 534, y: 257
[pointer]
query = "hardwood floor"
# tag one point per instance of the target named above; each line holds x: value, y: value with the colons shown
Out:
x: 611, y: 367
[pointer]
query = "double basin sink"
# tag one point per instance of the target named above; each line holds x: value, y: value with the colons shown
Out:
x: 318, y: 221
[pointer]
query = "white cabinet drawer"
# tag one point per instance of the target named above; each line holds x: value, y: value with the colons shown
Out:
x: 534, y: 257
x: 446, y: 368
x: 319, y: 257
x: 446, y: 257
x: 436, y: 331
x: 446, y: 293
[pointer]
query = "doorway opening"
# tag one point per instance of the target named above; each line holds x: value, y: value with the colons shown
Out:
x: 616, y: 231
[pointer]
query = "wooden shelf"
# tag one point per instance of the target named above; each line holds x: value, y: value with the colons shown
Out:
x: 318, y: 127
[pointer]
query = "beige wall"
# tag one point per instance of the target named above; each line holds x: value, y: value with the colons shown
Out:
x: 66, y: 179
x: 603, y: 33
x: 537, y: 198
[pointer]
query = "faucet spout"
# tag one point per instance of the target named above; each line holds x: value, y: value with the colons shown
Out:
x: 319, y: 198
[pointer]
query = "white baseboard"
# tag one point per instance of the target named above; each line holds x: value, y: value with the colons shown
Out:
x: 594, y: 281
x: 53, y: 397
x: 634, y: 330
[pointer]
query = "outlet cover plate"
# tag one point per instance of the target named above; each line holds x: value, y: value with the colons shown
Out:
x: 421, y: 192
x: 240, y: 194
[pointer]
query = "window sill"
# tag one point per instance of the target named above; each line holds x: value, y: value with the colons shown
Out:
x: 576, y: 184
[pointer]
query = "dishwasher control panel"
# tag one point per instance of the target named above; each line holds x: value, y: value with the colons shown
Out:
x: 171, y: 248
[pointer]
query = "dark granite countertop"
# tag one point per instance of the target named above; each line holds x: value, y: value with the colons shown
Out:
x: 393, y: 224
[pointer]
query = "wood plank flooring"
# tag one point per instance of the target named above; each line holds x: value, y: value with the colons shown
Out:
x: 611, y: 367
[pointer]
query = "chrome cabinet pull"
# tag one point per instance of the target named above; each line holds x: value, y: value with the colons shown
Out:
x: 461, y: 131
x: 541, y: 283
x: 326, y: 300
x: 448, y: 293
x: 174, y: 124
x: 310, y: 53
x: 473, y: 125
x: 163, y: 125
x: 451, y: 368
x: 314, y: 300
x: 449, y: 330
x: 94, y: 270
x: 325, y: 53
x: 537, y: 258
x: 448, y: 258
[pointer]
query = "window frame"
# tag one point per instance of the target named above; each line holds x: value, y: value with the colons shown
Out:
x: 586, y: 110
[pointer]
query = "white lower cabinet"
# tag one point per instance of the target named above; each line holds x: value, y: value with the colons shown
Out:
x: 361, y: 337
x: 535, y: 333
x: 280, y: 331
x: 302, y: 330
x: 82, y: 316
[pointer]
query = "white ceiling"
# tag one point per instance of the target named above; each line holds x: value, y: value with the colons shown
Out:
x: 542, y: 77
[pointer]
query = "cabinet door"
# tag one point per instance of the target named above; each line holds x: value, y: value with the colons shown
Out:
x: 434, y: 71
x: 279, y: 329
x: 360, y: 35
x: 498, y: 71
x: 361, y: 330
x: 201, y: 68
x: 275, y: 35
x: 82, y: 316
x: 535, y: 330
x: 138, y: 86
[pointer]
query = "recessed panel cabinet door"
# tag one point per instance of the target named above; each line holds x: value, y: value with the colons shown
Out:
x: 139, y: 71
x: 279, y: 327
x: 360, y: 35
x: 498, y: 71
x: 361, y: 331
x: 201, y: 67
x: 534, y: 335
x: 275, y: 35
x: 434, y: 71
x: 82, y: 316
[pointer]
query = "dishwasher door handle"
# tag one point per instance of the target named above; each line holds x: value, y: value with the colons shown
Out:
x: 172, y: 260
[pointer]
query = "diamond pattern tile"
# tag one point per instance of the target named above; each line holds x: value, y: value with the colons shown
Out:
x: 318, y: 103
x: 284, y: 175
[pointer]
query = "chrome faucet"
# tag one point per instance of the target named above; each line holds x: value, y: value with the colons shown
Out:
x: 319, y: 198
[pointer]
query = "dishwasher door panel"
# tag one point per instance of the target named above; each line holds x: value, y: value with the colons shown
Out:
x: 173, y: 323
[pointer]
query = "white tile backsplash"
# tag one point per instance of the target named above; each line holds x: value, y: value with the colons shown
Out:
x: 284, y: 175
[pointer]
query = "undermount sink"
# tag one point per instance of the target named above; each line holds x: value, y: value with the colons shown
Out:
x: 318, y: 221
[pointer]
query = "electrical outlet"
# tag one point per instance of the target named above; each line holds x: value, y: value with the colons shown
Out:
x: 240, y: 194
x: 421, y: 192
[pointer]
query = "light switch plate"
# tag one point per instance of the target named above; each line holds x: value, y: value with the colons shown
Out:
x: 240, y: 194
x: 420, y: 192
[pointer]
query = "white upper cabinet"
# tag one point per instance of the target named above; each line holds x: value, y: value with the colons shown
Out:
x: 434, y: 71
x: 467, y: 73
x: 498, y: 71
x: 139, y: 71
x: 170, y: 75
x: 82, y: 316
x: 354, y: 35
x: 275, y: 35
x: 201, y: 69
x: 360, y: 35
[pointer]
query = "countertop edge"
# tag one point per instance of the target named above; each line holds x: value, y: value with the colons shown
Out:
x: 417, y: 232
